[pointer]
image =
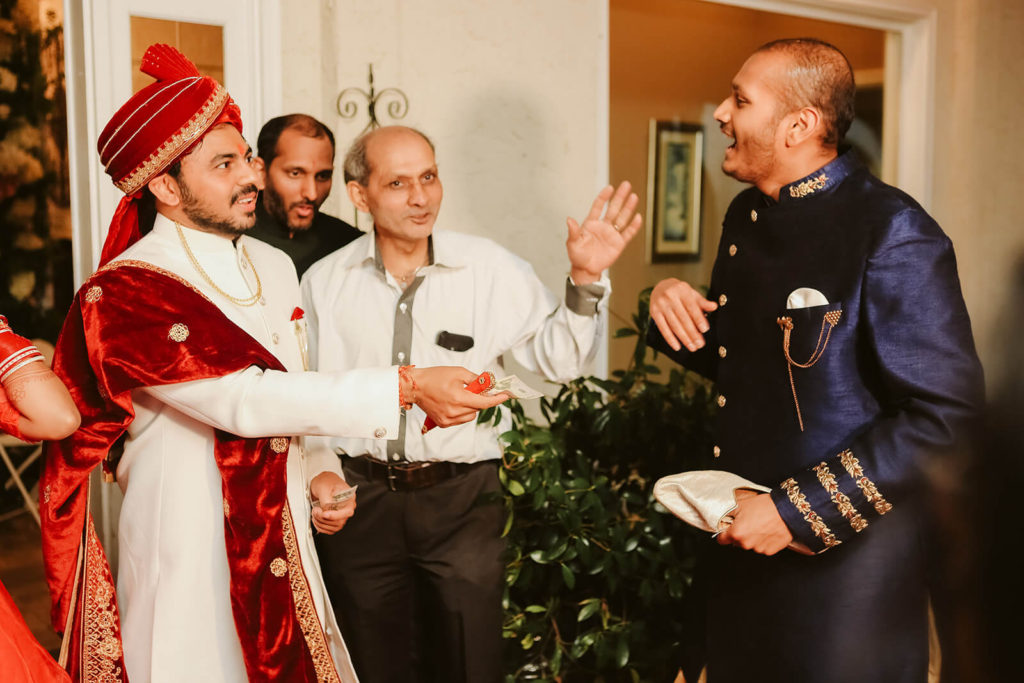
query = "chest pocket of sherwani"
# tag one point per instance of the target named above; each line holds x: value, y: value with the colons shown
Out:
x: 806, y: 333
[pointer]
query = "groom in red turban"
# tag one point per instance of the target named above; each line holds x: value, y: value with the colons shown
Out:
x: 184, y: 354
x: 154, y: 129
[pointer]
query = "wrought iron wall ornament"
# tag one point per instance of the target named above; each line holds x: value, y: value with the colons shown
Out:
x: 396, y: 101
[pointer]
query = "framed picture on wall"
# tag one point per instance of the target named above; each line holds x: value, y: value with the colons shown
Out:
x: 674, y: 161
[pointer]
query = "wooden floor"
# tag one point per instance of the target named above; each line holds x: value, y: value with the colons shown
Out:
x: 21, y: 570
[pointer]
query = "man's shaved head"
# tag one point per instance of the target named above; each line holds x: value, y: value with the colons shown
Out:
x: 819, y: 76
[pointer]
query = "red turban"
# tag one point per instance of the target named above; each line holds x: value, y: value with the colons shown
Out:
x: 156, y: 127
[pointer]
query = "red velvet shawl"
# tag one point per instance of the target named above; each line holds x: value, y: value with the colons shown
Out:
x: 133, y: 325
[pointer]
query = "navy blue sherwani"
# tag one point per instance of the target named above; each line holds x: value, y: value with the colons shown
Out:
x: 836, y: 406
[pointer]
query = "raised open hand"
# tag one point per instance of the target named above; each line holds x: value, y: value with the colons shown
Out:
x: 605, y: 232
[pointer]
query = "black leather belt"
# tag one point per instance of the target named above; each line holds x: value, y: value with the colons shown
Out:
x: 407, y: 476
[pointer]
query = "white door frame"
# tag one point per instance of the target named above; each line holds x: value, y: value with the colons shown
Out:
x: 99, y: 81
x: 909, y: 91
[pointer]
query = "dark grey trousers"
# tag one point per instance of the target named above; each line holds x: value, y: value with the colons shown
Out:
x: 416, y: 580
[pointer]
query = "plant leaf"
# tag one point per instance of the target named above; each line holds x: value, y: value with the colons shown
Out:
x: 590, y: 607
x: 568, y: 577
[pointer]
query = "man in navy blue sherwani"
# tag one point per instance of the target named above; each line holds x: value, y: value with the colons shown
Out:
x: 843, y: 358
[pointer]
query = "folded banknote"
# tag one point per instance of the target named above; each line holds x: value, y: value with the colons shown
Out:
x: 513, y: 386
x: 338, y: 500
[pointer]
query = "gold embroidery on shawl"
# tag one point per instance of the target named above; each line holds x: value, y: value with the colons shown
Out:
x: 178, y: 332
x: 842, y: 502
x: 818, y: 526
x: 93, y: 294
x: 853, y: 467
x: 145, y: 265
x: 101, y: 646
x: 278, y: 567
x: 279, y: 444
x: 323, y: 664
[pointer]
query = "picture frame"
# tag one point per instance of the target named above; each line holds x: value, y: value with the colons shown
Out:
x: 675, y: 159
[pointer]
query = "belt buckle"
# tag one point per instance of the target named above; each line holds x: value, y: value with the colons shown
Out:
x: 391, y: 477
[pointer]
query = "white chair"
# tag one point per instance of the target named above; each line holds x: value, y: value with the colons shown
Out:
x: 7, y: 441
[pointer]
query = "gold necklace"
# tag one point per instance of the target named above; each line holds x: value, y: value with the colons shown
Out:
x: 199, y: 269
x: 404, y: 280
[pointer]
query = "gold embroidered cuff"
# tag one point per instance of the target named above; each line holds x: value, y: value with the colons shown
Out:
x: 818, y: 526
x: 853, y: 468
x: 840, y: 499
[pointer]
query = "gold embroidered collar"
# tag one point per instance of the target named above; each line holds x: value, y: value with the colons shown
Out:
x: 809, y: 186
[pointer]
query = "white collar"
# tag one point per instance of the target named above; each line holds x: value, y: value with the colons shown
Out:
x: 363, y: 252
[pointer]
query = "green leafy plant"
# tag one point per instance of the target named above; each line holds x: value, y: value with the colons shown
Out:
x: 598, y: 572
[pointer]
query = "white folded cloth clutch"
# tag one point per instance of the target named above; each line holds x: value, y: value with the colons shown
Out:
x: 706, y: 499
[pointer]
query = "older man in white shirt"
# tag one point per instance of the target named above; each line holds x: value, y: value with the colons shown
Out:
x: 416, y: 574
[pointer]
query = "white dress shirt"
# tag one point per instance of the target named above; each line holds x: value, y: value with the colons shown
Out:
x: 473, y: 288
x: 173, y: 577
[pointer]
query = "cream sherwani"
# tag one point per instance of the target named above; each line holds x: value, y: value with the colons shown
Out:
x: 173, y: 579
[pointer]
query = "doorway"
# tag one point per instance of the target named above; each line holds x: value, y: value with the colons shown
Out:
x: 673, y: 60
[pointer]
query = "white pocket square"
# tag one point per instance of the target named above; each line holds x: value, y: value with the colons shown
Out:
x: 805, y: 297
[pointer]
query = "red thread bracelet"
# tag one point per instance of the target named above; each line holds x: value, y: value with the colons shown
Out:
x: 403, y: 374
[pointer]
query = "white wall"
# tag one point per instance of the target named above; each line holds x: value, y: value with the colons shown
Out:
x: 514, y: 96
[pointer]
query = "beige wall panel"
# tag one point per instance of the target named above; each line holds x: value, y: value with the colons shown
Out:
x: 978, y: 143
x: 511, y: 93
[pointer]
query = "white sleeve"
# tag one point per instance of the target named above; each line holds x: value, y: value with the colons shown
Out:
x: 320, y: 457
x: 252, y: 403
x: 554, y: 338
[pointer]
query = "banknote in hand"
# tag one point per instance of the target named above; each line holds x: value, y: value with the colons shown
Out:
x: 514, y: 387
x: 338, y: 500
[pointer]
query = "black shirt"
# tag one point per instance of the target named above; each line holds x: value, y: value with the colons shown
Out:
x: 305, y: 247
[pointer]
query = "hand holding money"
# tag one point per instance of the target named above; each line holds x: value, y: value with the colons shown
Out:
x: 333, y: 502
x: 514, y: 387
x: 482, y: 382
x: 440, y: 392
x: 485, y: 384
x: 338, y: 500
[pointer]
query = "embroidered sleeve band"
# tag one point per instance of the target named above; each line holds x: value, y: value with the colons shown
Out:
x: 840, y: 499
x: 818, y: 526
x: 853, y: 468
